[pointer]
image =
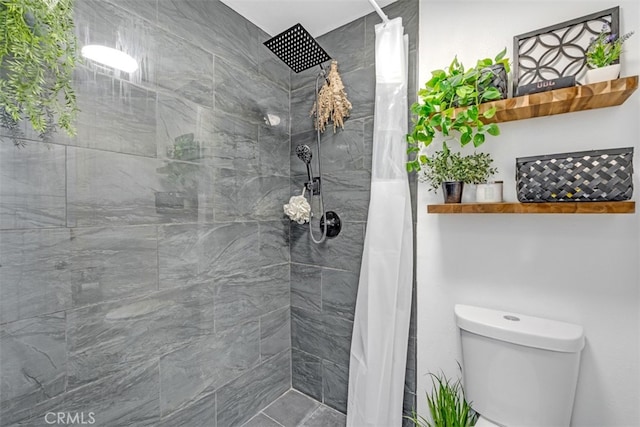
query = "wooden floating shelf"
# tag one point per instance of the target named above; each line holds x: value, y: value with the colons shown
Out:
x: 626, y: 207
x: 560, y: 101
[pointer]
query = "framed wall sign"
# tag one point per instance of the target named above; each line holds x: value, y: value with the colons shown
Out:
x: 558, y: 50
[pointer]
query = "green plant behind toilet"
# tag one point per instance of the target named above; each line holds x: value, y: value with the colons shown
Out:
x: 447, y: 405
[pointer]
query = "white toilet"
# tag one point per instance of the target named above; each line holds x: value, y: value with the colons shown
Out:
x: 518, y: 370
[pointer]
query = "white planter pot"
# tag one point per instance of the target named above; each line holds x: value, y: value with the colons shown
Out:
x: 490, y: 192
x: 610, y: 72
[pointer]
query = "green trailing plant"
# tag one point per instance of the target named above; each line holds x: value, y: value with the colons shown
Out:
x: 449, y: 106
x: 605, y: 49
x: 445, y: 165
x: 447, y: 405
x: 38, y: 53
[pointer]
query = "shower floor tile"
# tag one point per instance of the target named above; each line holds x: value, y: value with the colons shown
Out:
x: 294, y: 409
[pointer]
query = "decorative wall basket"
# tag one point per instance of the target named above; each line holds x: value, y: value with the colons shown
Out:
x: 589, y: 176
x: 500, y: 79
x: 558, y: 50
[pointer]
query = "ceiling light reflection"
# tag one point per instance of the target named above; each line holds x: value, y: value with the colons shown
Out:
x: 110, y: 57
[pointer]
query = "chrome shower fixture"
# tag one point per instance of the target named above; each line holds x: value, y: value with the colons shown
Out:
x: 330, y: 224
x: 271, y: 119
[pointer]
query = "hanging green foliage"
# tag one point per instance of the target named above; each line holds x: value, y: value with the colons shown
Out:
x: 38, y: 53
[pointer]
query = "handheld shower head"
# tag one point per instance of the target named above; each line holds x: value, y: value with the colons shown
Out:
x: 304, y: 153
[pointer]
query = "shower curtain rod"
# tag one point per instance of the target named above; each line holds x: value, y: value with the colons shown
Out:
x: 379, y: 11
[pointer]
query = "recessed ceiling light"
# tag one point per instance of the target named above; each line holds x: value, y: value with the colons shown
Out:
x: 110, y: 57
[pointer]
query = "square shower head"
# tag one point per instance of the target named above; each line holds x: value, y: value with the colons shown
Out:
x: 296, y: 48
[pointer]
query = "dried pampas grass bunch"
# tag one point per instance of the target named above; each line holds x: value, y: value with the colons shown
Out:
x: 333, y: 104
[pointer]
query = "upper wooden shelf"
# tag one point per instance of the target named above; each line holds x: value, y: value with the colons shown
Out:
x: 626, y: 207
x: 560, y: 101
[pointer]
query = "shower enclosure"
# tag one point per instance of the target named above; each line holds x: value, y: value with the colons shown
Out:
x: 145, y: 262
x: 147, y: 274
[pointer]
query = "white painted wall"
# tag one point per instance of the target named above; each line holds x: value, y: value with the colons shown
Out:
x: 576, y: 268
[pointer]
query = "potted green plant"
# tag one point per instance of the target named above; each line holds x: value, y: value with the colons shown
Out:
x: 479, y: 170
x: 480, y: 173
x: 38, y: 54
x: 447, y: 405
x: 451, y: 170
x: 449, y: 105
x: 603, y: 54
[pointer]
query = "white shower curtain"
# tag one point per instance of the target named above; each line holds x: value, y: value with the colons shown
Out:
x: 383, y: 307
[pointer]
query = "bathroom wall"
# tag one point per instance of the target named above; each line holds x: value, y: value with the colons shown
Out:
x: 575, y: 268
x: 324, y: 278
x: 145, y: 262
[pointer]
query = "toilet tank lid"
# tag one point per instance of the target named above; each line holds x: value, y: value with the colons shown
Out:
x: 520, y: 329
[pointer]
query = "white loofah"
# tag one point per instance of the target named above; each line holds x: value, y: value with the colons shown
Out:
x: 298, y: 209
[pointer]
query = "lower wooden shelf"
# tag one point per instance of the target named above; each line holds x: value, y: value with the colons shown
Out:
x: 626, y: 207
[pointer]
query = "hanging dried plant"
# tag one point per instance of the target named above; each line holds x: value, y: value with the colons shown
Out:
x: 333, y: 104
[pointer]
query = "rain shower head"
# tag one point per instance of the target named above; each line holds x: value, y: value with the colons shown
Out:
x: 296, y: 48
x: 304, y: 153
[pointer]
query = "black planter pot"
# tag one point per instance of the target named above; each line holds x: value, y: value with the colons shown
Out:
x: 499, y: 80
x: 452, y: 191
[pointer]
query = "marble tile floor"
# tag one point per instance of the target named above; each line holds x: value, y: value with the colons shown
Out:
x: 294, y: 409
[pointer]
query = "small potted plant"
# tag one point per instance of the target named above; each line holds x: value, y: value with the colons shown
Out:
x: 603, y: 54
x: 449, y: 105
x: 480, y: 174
x: 447, y: 405
x: 451, y: 170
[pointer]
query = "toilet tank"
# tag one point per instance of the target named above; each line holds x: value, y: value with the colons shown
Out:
x: 519, y: 370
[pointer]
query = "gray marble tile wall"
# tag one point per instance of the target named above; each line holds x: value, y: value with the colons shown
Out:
x: 324, y: 278
x: 144, y: 263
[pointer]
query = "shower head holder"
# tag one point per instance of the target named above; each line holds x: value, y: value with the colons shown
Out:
x: 313, y: 185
